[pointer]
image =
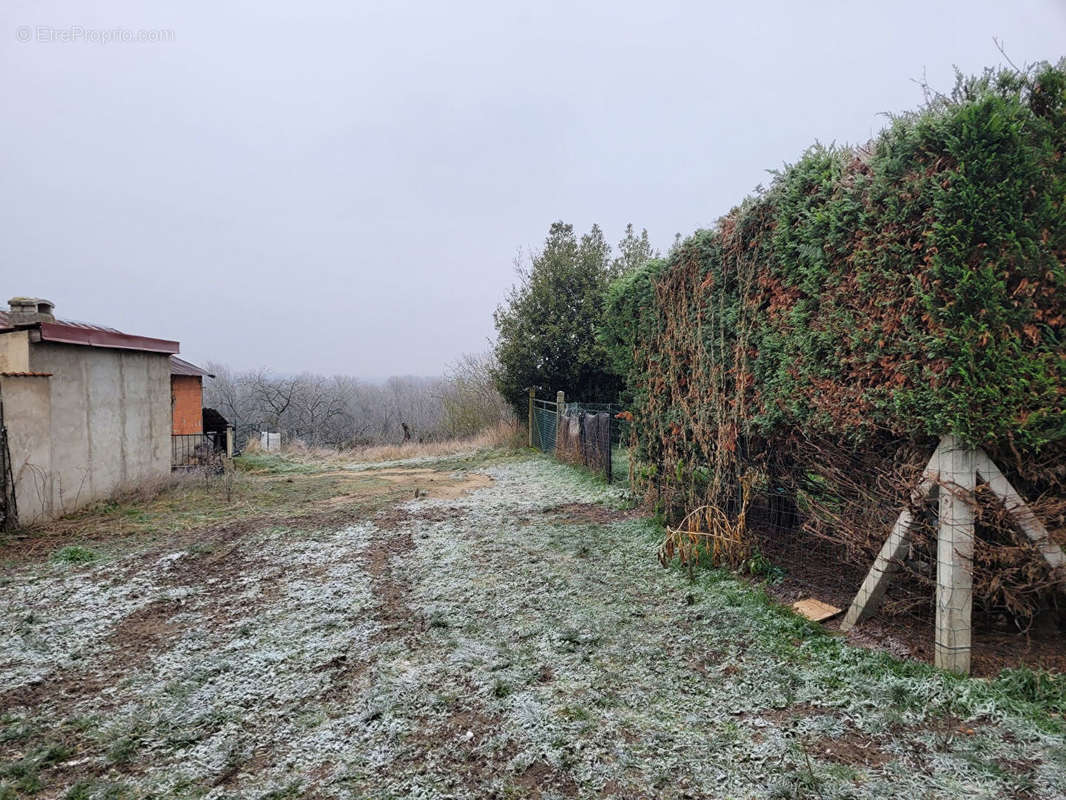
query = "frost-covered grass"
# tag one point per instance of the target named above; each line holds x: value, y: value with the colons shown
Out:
x: 493, y: 645
x: 278, y: 490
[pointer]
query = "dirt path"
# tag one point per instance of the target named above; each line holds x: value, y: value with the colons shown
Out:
x: 511, y: 638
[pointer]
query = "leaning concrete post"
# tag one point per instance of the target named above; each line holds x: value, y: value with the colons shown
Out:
x: 873, y: 587
x: 954, y: 569
x: 532, y: 394
x: 229, y: 441
x: 1023, y: 516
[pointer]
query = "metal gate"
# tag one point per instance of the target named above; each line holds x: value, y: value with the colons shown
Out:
x: 543, y: 417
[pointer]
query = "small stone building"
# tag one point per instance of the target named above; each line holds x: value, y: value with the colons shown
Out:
x: 86, y: 410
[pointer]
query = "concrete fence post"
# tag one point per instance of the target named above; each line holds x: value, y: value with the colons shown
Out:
x: 560, y: 417
x: 953, y: 470
x: 954, y: 556
x: 532, y: 395
x: 229, y: 441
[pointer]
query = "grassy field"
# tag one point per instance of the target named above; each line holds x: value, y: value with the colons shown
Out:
x: 481, y: 625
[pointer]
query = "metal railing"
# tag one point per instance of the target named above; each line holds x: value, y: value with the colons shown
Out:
x: 197, y: 450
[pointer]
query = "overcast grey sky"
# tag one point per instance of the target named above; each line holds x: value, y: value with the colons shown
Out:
x: 342, y: 187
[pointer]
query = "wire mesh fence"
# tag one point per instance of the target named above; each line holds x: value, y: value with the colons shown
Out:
x: 544, y: 416
x: 592, y: 435
x: 812, y: 522
x: 816, y: 517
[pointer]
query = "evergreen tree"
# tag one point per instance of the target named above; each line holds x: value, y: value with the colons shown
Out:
x: 633, y: 252
x: 547, y: 327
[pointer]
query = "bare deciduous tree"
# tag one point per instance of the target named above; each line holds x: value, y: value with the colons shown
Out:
x: 342, y: 411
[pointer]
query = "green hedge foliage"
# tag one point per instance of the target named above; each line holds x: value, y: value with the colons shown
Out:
x: 908, y: 289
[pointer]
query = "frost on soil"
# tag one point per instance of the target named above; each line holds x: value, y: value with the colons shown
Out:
x: 492, y: 645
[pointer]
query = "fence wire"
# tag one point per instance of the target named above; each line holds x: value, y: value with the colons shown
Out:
x: 585, y: 439
x: 592, y: 435
x: 544, y: 424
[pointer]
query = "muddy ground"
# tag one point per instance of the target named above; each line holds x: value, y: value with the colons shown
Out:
x: 505, y: 633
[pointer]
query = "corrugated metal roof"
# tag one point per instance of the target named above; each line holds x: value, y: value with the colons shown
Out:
x: 73, y: 332
x: 179, y: 366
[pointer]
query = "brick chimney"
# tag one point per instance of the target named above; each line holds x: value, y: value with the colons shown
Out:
x: 30, y: 310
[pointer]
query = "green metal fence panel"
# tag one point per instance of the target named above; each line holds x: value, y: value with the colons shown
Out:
x: 544, y: 429
x: 599, y: 443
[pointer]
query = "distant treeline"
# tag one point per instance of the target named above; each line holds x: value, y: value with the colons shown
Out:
x: 342, y: 411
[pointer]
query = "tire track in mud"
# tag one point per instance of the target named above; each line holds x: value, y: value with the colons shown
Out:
x: 388, y: 586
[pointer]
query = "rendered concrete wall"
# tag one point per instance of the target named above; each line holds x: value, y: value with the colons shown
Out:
x: 27, y: 412
x: 15, y: 351
x: 109, y: 423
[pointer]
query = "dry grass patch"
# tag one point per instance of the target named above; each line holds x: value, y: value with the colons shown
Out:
x: 196, y: 508
x: 504, y: 435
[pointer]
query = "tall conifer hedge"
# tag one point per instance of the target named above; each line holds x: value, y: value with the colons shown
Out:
x: 871, y: 299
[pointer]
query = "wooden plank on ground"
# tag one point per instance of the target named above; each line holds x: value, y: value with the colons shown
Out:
x: 815, y: 610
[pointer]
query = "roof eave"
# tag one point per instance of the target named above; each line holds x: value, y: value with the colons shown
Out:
x: 70, y: 334
x: 181, y: 367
